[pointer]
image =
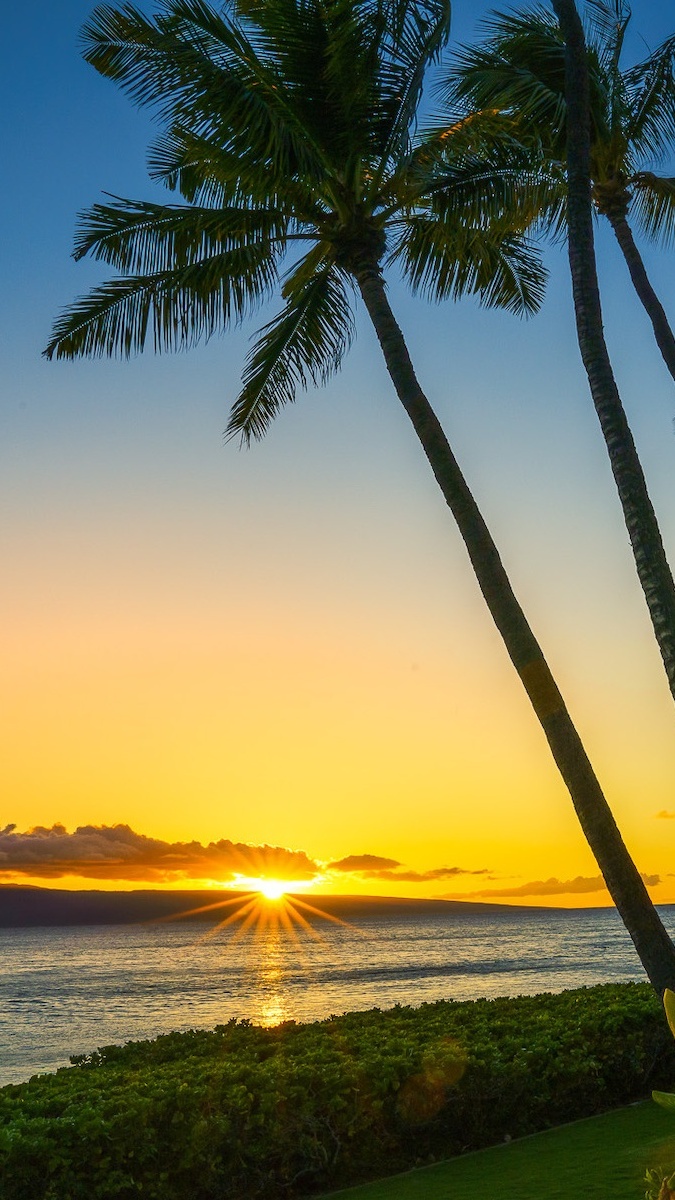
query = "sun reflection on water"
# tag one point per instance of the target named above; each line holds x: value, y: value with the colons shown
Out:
x: 269, y: 980
x: 274, y: 928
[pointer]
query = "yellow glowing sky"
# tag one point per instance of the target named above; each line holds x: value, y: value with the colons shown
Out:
x: 286, y: 646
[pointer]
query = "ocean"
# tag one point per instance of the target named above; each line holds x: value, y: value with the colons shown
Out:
x: 70, y: 990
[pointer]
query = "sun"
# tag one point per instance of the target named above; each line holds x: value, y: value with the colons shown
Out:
x: 272, y: 889
x: 267, y: 888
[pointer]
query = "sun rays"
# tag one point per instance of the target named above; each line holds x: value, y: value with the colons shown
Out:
x: 266, y: 906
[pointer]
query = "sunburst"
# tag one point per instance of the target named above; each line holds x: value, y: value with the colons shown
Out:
x: 267, y: 905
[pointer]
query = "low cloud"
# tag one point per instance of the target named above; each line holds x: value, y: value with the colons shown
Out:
x: 580, y: 885
x: 373, y: 866
x: 424, y: 876
x: 118, y: 852
x: 363, y: 862
x: 664, y: 815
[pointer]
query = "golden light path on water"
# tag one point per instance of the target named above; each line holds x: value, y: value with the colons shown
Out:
x: 271, y: 914
x: 274, y: 919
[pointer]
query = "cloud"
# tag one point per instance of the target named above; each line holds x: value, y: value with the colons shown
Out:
x: 664, y: 815
x: 118, y: 852
x: 363, y: 862
x: 580, y: 885
x: 424, y: 876
x: 372, y: 866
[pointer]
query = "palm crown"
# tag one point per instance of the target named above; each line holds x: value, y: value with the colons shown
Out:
x: 520, y: 68
x: 287, y: 130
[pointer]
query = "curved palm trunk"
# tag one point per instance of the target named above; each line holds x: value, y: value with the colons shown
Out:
x: 654, y: 947
x: 643, y: 530
x: 651, y: 303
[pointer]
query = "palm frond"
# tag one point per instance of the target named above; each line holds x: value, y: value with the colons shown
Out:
x: 175, y: 308
x: 650, y: 85
x: 606, y: 25
x: 422, y: 33
x: 479, y: 132
x: 143, y: 238
x: 200, y: 168
x: 519, y: 69
x: 340, y: 100
x: 207, y: 174
x: 200, y: 71
x: 304, y: 343
x: 480, y: 168
x: 653, y: 206
x: 445, y: 261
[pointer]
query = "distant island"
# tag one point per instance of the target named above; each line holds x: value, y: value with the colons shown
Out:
x: 25, y: 906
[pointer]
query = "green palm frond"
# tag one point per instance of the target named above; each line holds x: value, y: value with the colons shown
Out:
x: 199, y: 70
x: 650, y: 125
x: 425, y: 32
x: 200, y: 168
x: 653, y: 206
x: 137, y: 237
x: 175, y: 308
x: 482, y: 131
x: 478, y: 193
x: 477, y: 172
x: 519, y: 68
x: 444, y: 261
x: 607, y: 22
x: 304, y: 343
x: 207, y: 174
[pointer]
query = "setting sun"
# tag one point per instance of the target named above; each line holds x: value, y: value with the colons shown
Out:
x: 272, y: 889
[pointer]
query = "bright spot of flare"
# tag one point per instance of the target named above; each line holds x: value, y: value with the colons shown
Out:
x: 272, y: 889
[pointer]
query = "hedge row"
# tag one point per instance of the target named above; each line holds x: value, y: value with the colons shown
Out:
x: 244, y: 1112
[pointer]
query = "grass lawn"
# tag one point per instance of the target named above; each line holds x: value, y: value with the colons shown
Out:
x: 602, y: 1158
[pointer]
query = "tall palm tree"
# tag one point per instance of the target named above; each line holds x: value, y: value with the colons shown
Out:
x: 520, y: 70
x: 287, y: 126
x: 520, y: 66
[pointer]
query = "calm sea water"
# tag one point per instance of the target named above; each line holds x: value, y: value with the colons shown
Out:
x: 67, y: 991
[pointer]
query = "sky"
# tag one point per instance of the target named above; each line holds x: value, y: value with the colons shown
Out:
x: 224, y: 663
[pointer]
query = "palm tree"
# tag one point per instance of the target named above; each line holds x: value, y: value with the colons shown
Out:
x: 521, y: 66
x: 520, y: 70
x: 287, y: 126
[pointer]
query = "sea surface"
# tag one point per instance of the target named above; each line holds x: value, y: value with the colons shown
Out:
x: 70, y: 990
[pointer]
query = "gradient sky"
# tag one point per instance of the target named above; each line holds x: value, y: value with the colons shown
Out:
x: 286, y: 645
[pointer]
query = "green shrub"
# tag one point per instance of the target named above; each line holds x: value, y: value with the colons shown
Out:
x: 244, y: 1112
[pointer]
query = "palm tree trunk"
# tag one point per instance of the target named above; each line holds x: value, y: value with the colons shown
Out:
x: 626, y: 887
x: 643, y: 530
x: 651, y: 303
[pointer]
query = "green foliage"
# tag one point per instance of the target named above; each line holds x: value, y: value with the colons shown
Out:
x: 660, y: 1185
x: 667, y: 1099
x: 245, y: 1112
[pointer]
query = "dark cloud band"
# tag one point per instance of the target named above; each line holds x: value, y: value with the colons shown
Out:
x: 118, y: 852
x: 580, y: 885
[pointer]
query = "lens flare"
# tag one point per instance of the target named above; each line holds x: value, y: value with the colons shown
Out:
x: 272, y: 889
